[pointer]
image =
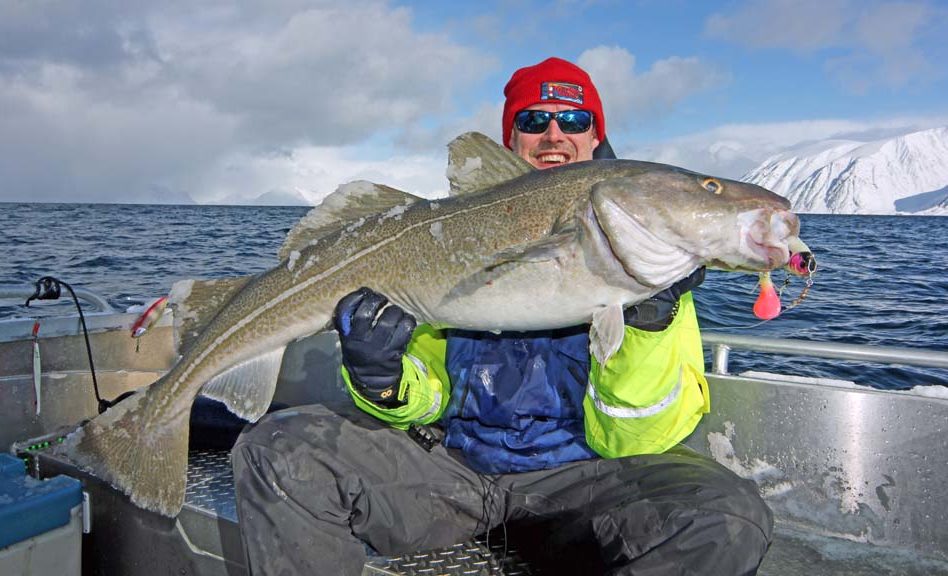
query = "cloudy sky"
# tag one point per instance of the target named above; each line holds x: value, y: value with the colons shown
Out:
x: 269, y: 100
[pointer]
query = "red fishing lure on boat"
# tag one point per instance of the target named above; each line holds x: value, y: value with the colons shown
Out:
x: 149, y: 317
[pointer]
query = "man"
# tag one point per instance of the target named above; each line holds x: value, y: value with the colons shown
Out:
x: 586, y: 485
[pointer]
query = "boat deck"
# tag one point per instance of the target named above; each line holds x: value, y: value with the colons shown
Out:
x: 854, y: 475
x: 795, y: 551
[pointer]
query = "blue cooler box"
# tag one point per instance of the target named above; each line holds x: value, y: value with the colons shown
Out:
x: 40, y: 522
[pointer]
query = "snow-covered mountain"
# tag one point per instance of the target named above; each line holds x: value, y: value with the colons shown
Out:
x: 904, y: 174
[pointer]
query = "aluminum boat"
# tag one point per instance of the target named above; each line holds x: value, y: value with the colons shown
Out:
x: 855, y: 475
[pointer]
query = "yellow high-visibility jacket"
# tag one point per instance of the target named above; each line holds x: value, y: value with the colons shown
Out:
x: 648, y: 397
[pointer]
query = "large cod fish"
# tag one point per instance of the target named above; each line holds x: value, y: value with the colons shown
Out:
x: 513, y: 248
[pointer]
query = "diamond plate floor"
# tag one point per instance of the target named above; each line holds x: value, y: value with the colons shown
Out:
x: 794, y: 552
x: 211, y: 483
x: 476, y: 558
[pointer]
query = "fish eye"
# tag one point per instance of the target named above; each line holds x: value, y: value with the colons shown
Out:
x: 712, y: 185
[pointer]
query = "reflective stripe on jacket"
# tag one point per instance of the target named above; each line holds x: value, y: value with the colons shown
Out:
x: 652, y: 393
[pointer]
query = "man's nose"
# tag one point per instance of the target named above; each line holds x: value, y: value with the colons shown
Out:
x: 553, y: 132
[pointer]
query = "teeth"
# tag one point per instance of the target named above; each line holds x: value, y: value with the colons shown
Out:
x: 553, y: 158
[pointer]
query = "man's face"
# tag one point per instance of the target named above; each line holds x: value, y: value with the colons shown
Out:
x: 553, y: 147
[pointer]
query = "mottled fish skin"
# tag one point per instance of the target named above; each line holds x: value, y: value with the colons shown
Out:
x: 536, y: 252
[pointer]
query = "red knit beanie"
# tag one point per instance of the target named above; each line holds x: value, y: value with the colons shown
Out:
x: 553, y: 81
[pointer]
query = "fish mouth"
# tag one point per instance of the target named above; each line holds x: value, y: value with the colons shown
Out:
x: 766, y: 237
x: 802, y: 261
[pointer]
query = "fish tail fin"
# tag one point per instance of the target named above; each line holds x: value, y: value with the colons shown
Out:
x: 139, y: 446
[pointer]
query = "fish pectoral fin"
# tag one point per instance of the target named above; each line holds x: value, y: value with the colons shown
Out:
x: 606, y: 333
x: 197, y: 302
x: 247, y: 388
x: 475, y: 162
x: 542, y: 250
x: 342, y: 208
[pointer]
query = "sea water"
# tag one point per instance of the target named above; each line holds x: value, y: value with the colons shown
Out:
x: 882, y: 280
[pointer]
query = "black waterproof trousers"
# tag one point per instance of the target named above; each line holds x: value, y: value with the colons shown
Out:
x: 315, y: 486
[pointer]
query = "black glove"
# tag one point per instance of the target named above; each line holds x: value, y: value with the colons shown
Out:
x: 372, y: 349
x: 657, y: 313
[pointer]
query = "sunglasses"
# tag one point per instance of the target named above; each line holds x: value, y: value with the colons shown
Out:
x: 569, y: 121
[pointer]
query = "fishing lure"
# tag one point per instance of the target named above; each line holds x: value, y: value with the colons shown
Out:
x: 37, y: 369
x: 767, y: 306
x: 148, y: 318
x: 801, y: 263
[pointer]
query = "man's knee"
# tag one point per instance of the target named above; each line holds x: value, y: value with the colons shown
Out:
x: 715, y: 489
x: 282, y: 450
x: 715, y: 530
x: 313, y: 445
x: 686, y: 510
x: 739, y: 522
x: 310, y: 429
x: 736, y: 498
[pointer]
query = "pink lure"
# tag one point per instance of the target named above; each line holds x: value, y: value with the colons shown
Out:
x: 149, y: 317
x: 767, y: 306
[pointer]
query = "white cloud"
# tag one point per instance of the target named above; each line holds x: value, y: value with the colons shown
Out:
x: 332, y: 73
x: 630, y: 97
x: 112, y: 101
x: 96, y: 34
x: 312, y: 172
x: 59, y: 142
x: 485, y: 119
x: 889, y: 33
x: 734, y: 149
x: 868, y: 42
x: 796, y: 24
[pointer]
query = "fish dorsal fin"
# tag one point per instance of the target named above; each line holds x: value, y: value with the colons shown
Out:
x: 349, y: 203
x: 247, y: 388
x: 476, y: 162
x: 197, y: 302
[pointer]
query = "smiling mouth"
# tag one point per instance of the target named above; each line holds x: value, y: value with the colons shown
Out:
x: 552, y: 158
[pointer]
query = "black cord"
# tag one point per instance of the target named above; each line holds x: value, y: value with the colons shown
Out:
x: 487, y: 505
x: 48, y: 288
